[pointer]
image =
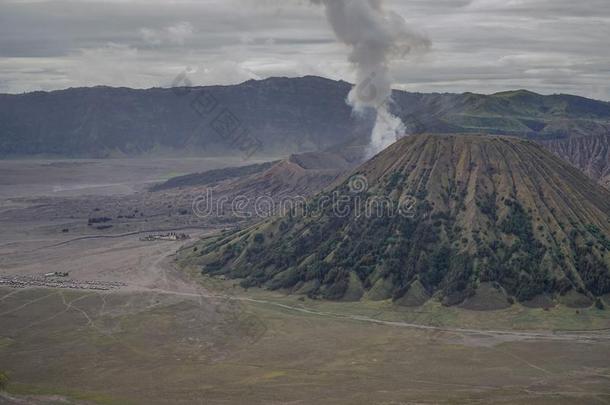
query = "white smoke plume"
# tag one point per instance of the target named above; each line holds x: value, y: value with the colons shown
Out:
x: 376, y: 37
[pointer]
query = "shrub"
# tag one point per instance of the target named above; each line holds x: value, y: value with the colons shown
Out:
x: 517, y: 223
x: 3, y: 380
x: 99, y: 220
x: 599, y: 304
x: 439, y: 267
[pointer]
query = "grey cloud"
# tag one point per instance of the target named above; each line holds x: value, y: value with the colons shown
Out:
x: 478, y: 45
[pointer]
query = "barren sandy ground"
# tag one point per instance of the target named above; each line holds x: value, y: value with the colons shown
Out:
x: 77, y: 177
x: 166, y: 338
x: 40, y: 198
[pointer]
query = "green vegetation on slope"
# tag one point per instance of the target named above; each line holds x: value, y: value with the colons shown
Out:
x: 484, y: 210
x: 3, y: 380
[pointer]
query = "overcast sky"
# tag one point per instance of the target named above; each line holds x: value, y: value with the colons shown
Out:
x: 548, y: 46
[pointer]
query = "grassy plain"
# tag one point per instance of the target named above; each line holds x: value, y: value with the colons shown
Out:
x: 256, y: 348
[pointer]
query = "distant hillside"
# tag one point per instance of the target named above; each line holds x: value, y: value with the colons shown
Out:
x: 286, y: 115
x: 518, y: 113
x: 590, y: 154
x: 476, y: 220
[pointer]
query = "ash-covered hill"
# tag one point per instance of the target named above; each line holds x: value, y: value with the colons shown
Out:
x: 302, y: 174
x: 285, y: 115
x: 212, y: 177
x: 479, y: 220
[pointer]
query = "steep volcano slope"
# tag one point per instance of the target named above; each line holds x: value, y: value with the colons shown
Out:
x: 458, y: 214
x: 591, y: 154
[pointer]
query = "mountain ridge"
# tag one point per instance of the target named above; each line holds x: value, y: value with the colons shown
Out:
x: 305, y: 77
x: 287, y: 115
